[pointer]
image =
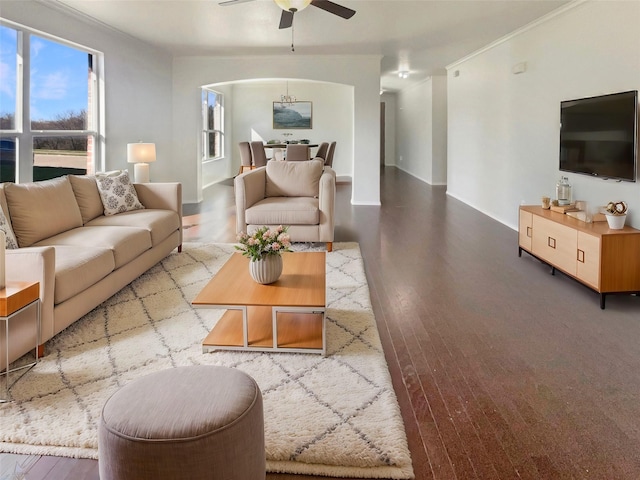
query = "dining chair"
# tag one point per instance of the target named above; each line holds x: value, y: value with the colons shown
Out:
x: 245, y: 156
x: 297, y: 152
x: 329, y: 160
x: 322, y: 150
x: 257, y: 152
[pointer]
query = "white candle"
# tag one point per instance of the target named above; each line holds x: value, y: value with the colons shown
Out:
x: 3, y: 242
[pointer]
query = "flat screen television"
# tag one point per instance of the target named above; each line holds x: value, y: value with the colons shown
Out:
x: 599, y: 136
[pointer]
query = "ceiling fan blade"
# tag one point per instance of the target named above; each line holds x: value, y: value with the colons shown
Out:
x: 286, y: 19
x: 227, y: 3
x: 334, y: 8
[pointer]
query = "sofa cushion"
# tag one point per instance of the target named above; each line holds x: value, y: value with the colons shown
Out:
x: 117, y: 193
x: 126, y: 243
x: 87, y: 195
x: 79, y: 268
x: 160, y: 223
x: 39, y: 210
x: 284, y: 211
x: 293, y: 179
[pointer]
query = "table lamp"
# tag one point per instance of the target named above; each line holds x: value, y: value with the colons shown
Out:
x: 141, y: 154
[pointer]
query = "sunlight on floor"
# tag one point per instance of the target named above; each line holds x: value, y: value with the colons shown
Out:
x: 15, y: 467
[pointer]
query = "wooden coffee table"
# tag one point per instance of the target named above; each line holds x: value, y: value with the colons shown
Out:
x: 285, y: 316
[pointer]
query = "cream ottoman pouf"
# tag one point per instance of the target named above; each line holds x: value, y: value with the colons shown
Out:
x: 197, y: 422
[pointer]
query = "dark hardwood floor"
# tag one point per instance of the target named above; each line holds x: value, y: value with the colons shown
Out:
x: 501, y: 370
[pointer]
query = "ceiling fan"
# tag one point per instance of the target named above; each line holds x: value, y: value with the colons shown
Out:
x: 290, y: 7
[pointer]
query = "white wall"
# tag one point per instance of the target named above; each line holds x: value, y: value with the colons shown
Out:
x: 360, y: 72
x: 421, y: 130
x: 137, y: 83
x: 504, y: 128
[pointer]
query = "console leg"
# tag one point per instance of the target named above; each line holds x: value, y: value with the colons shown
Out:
x: 519, y: 251
x: 553, y: 270
x: 41, y: 351
x: 602, y: 297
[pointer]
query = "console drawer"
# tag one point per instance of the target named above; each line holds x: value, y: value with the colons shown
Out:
x: 555, y: 243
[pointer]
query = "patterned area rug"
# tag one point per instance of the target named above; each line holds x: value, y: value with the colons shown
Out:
x: 335, y: 415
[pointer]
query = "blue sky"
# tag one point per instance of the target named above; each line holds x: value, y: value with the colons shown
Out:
x: 59, y: 76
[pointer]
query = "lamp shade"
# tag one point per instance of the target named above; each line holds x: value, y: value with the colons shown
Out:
x: 293, y: 4
x: 141, y: 152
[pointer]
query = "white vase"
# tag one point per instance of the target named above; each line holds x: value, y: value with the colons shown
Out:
x: 266, y: 270
x: 616, y: 222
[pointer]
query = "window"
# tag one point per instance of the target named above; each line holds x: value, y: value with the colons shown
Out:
x: 60, y: 135
x: 213, y: 125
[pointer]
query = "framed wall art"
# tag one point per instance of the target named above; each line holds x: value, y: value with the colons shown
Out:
x: 288, y: 116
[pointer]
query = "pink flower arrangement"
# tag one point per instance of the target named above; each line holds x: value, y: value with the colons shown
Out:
x: 264, y: 241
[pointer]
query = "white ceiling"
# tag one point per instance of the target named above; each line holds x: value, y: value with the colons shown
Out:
x: 421, y: 36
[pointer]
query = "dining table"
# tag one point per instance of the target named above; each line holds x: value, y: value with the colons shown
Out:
x: 278, y: 148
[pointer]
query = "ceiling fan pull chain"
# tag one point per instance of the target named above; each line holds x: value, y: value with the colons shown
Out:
x: 292, y: 47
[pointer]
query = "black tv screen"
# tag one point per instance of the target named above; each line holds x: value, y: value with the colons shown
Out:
x: 599, y: 136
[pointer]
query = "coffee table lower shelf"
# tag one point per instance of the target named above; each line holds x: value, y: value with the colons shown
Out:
x: 251, y: 328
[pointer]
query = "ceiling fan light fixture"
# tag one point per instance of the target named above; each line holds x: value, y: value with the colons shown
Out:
x: 293, y: 5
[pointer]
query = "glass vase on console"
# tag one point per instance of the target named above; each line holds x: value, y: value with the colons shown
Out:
x: 563, y: 191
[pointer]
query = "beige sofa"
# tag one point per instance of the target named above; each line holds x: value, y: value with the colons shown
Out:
x: 300, y: 195
x: 80, y: 256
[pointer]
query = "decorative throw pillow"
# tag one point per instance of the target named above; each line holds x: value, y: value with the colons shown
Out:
x: 117, y: 193
x: 5, y: 226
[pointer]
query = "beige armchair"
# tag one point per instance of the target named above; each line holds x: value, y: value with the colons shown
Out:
x: 300, y: 195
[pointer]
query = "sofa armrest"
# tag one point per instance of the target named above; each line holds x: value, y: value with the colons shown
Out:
x: 250, y: 188
x: 163, y: 196
x: 35, y: 264
x: 326, y: 204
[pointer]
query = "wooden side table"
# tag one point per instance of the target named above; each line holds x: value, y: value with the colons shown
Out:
x: 15, y: 298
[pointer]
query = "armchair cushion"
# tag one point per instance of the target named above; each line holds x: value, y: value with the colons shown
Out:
x: 295, y: 211
x: 297, y: 179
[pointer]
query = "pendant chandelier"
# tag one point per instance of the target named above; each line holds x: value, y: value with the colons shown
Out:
x: 287, y: 100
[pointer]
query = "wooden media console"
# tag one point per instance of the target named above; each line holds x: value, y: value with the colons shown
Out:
x: 605, y: 260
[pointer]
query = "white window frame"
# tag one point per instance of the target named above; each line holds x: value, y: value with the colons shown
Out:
x: 206, y: 131
x: 22, y: 132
